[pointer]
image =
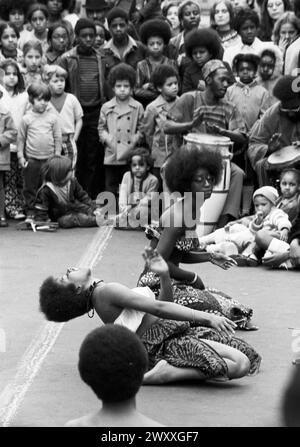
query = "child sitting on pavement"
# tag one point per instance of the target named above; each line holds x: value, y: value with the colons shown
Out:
x: 62, y: 199
x: 112, y: 361
x: 289, y: 201
x: 136, y: 190
x: 241, y: 234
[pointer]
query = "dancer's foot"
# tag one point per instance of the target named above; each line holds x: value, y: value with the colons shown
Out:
x: 162, y: 372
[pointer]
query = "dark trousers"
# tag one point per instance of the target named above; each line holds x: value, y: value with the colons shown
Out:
x: 89, y: 166
x: 32, y: 175
x: 113, y: 177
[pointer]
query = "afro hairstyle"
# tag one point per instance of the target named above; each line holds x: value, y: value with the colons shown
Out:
x: 161, y: 74
x: 204, y: 37
x: 155, y: 28
x: 116, y: 13
x: 112, y: 361
x: 122, y: 72
x: 182, y: 165
x: 61, y: 302
x: 245, y: 57
x: 243, y: 15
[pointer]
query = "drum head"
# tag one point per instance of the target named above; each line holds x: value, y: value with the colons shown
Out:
x: 285, y: 157
x: 204, y: 138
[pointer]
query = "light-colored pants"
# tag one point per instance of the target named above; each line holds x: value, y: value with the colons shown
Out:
x: 237, y: 233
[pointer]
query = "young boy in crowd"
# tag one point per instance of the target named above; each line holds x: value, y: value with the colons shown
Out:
x: 136, y: 191
x: 39, y: 137
x: 112, y: 361
x: 242, y: 232
x: 68, y: 108
x: 120, y: 125
x: 165, y: 81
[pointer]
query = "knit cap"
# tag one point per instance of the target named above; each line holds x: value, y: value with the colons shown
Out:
x: 268, y: 192
x: 211, y: 66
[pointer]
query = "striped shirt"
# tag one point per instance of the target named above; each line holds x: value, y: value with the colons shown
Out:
x: 193, y: 104
x: 89, y: 81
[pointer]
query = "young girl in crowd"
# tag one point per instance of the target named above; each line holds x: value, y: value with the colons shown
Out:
x: 289, y: 201
x: 136, y: 191
x: 242, y: 232
x: 16, y: 12
x: 269, y: 67
x: 165, y: 81
x: 271, y: 11
x: 59, y: 41
x: 39, y: 137
x: 32, y: 64
x: 155, y: 34
x: 286, y: 30
x: 61, y: 198
x: 189, y: 18
x: 38, y: 19
x: 16, y: 101
x: 8, y: 135
x: 120, y: 125
x: 222, y: 20
x: 170, y: 12
x: 68, y: 108
x: 102, y: 35
x: 9, y: 35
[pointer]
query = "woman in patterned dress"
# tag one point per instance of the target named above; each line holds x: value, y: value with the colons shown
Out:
x: 191, y: 173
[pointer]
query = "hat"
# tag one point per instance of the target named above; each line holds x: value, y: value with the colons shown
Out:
x: 268, y: 192
x: 211, y: 66
x: 96, y: 5
x: 84, y: 23
x: 286, y: 90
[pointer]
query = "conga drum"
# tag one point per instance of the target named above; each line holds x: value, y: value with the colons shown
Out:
x: 211, y: 209
x: 285, y: 157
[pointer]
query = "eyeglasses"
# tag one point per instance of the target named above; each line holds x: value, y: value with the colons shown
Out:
x: 202, y: 179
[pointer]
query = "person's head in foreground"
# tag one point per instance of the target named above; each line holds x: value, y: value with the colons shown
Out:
x: 287, y: 91
x: 216, y: 78
x: 113, y: 361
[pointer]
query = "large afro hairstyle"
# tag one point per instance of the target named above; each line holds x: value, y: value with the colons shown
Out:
x: 61, y: 302
x: 112, y: 361
x: 182, y: 165
x: 205, y: 37
x: 155, y: 28
x: 245, y: 57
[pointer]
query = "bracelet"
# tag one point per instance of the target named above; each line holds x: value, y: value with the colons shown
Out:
x: 194, y: 279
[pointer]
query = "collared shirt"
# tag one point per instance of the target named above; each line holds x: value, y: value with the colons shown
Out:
x: 111, y: 46
x: 160, y: 143
x: 252, y: 100
x: 232, y: 51
x: 119, y: 127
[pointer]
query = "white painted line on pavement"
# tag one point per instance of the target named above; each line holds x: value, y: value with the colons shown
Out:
x: 29, y: 365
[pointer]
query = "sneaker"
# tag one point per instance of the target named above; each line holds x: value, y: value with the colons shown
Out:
x: 19, y: 215
x: 29, y: 218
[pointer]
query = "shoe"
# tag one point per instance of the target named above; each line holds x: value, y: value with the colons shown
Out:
x: 29, y: 218
x: 244, y: 261
x: 18, y: 215
x: 3, y: 222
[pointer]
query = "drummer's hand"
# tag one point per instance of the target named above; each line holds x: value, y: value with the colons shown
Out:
x: 284, y: 234
x: 155, y: 262
x: 274, y: 143
x: 221, y: 260
x: 213, y: 128
x: 222, y: 324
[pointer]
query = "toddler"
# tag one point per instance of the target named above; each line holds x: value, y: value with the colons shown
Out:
x: 61, y: 198
x: 289, y: 201
x: 68, y: 108
x: 136, y: 191
x: 39, y: 137
x: 120, y: 125
x: 242, y: 233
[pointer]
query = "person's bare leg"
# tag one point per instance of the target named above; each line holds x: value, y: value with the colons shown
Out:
x: 238, y: 365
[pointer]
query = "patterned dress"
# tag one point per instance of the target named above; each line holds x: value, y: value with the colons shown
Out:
x: 181, y: 343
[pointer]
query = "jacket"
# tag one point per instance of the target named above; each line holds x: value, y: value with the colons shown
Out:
x: 8, y: 135
x: 70, y: 62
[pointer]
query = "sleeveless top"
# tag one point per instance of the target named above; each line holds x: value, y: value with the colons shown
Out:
x: 132, y: 318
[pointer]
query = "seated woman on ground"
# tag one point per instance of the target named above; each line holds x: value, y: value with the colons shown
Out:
x: 190, y: 175
x: 182, y: 343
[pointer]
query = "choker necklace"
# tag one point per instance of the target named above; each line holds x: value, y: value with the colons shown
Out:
x: 89, y: 294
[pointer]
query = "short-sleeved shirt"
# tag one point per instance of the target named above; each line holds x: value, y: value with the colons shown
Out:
x: 193, y: 104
